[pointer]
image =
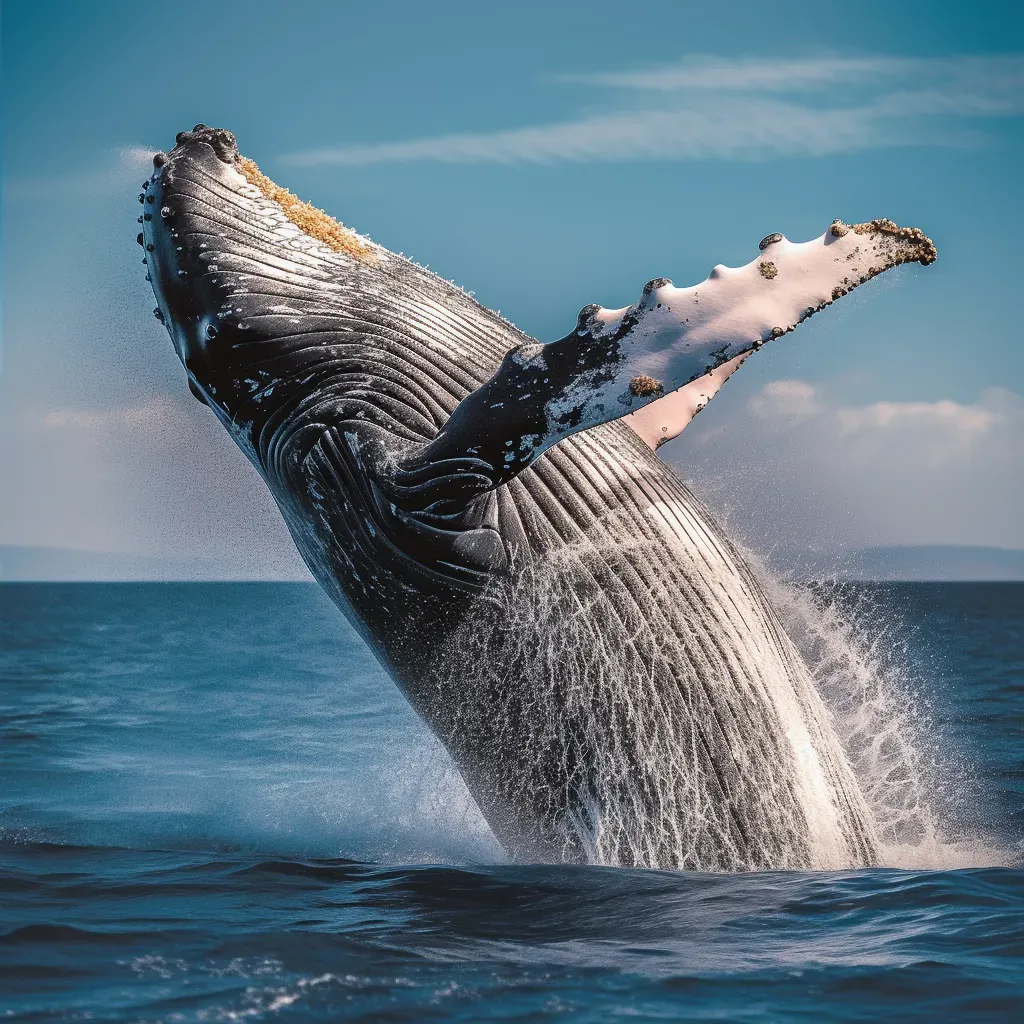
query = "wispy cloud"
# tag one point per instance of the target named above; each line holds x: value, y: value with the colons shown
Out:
x: 708, y: 107
x: 120, y: 167
x: 807, y: 73
x: 156, y: 414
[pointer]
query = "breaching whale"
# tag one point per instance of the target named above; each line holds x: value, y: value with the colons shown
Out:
x: 489, y: 512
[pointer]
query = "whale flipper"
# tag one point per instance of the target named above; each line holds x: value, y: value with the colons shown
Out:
x: 661, y: 359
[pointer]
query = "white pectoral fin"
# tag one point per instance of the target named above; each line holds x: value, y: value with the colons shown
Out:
x: 668, y: 417
x: 684, y: 343
x: 661, y: 360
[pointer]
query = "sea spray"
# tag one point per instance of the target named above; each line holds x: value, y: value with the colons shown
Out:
x: 734, y: 766
x: 919, y: 788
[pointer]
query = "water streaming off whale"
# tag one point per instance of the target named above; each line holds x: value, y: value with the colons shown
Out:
x: 577, y: 661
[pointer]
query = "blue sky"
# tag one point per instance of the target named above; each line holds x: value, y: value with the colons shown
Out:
x: 544, y: 156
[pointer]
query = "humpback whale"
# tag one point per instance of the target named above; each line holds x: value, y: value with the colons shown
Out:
x: 491, y: 514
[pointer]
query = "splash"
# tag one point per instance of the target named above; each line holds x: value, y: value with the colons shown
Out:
x: 919, y: 790
x: 837, y: 764
x: 686, y: 735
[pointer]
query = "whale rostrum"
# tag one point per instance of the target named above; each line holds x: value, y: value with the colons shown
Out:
x: 489, y: 511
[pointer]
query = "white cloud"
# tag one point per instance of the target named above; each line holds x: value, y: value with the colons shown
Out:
x: 747, y: 128
x: 710, y: 107
x: 786, y: 401
x: 959, y: 422
x: 796, y: 469
x: 1000, y: 73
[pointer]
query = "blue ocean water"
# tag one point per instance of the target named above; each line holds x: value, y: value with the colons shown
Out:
x: 214, y: 807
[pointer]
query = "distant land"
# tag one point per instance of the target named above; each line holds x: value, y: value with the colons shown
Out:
x: 939, y: 562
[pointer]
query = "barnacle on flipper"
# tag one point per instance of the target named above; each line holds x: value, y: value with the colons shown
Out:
x: 314, y: 221
x: 912, y: 244
x: 643, y: 386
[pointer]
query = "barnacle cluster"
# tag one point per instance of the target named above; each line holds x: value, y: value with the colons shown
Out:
x: 643, y: 386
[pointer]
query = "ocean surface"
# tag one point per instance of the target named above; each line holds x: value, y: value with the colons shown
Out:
x: 214, y: 806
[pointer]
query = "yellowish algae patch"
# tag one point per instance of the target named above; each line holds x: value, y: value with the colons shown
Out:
x: 315, y: 222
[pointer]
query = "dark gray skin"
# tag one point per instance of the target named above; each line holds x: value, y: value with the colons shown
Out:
x: 554, y: 632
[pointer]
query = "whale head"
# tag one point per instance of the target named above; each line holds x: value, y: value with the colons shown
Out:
x: 244, y: 274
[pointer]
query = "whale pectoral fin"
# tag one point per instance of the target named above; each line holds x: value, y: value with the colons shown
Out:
x: 668, y: 417
x: 660, y: 360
